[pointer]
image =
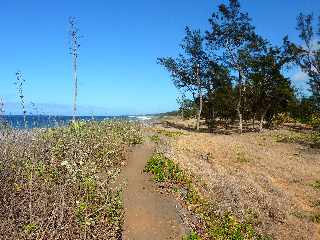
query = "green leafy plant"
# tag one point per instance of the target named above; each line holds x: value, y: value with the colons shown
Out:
x: 215, y: 226
x: 165, y: 169
x: 192, y: 236
x: 30, y: 228
x: 155, y: 138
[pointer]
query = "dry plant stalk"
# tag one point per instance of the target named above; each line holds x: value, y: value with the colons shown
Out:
x: 19, y: 83
x: 74, y: 51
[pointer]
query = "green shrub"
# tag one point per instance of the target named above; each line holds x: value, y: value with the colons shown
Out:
x: 282, y: 118
x: 155, y: 138
x: 170, y: 134
x: 315, y: 120
x: 164, y: 169
x: 316, y: 184
x: 228, y: 228
x: 214, y: 226
x: 192, y: 236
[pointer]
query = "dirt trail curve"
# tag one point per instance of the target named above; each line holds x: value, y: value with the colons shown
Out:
x: 148, y: 213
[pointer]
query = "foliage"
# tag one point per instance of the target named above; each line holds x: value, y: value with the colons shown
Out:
x: 240, y: 72
x: 61, y: 182
x: 213, y: 225
x: 314, y: 120
x: 188, y: 108
x: 188, y: 70
x: 192, y: 236
x: 230, y: 229
x: 170, y: 134
x: 164, y: 169
x: 316, y: 184
x: 310, y: 138
x: 307, y: 56
x: 155, y: 138
x: 282, y: 118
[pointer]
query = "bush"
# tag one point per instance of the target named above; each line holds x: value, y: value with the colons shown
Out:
x: 57, y: 182
x: 211, y: 223
x: 315, y: 121
x: 192, y: 236
x: 164, y: 169
x: 282, y: 118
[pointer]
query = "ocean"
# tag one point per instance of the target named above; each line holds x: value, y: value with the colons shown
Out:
x: 44, y: 121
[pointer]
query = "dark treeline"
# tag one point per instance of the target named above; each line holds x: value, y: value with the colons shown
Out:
x: 235, y: 74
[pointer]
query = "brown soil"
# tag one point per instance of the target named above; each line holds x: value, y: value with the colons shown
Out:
x: 149, y: 214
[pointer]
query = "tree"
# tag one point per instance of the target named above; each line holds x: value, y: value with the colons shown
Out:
x: 307, y: 56
x: 189, y: 108
x: 188, y: 69
x: 216, y: 82
x: 74, y: 51
x: 181, y: 100
x: 231, y: 36
x: 267, y: 88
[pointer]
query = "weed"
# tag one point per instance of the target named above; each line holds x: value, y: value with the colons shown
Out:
x: 225, y: 227
x: 155, y: 138
x: 192, y: 236
x: 164, y: 169
x: 228, y: 228
x: 30, y: 228
x: 66, y: 173
x: 315, y: 218
x: 312, y: 138
x: 316, y: 184
x: 241, y: 157
x: 170, y: 134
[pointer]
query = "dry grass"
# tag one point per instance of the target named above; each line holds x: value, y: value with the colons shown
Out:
x: 60, y: 183
x: 257, y: 174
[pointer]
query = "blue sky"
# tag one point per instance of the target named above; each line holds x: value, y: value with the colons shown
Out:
x: 121, y: 41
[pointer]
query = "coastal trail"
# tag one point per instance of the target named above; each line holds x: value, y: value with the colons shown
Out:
x: 148, y: 213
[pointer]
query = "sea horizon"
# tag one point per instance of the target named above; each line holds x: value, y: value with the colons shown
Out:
x: 48, y: 121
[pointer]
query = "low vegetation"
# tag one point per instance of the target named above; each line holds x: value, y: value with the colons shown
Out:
x: 214, y: 225
x: 170, y: 134
x: 61, y: 183
x: 266, y: 181
x: 306, y: 138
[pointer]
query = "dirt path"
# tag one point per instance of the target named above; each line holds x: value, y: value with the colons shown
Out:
x: 148, y: 213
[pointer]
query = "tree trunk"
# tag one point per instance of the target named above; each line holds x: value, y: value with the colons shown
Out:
x: 239, y: 103
x: 200, y: 99
x: 262, y: 118
x: 240, y: 116
x: 200, y: 108
x: 253, y: 121
x: 213, y: 115
x: 261, y: 123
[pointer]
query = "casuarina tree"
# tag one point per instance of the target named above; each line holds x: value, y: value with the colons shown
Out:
x: 188, y: 70
x: 230, y: 37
